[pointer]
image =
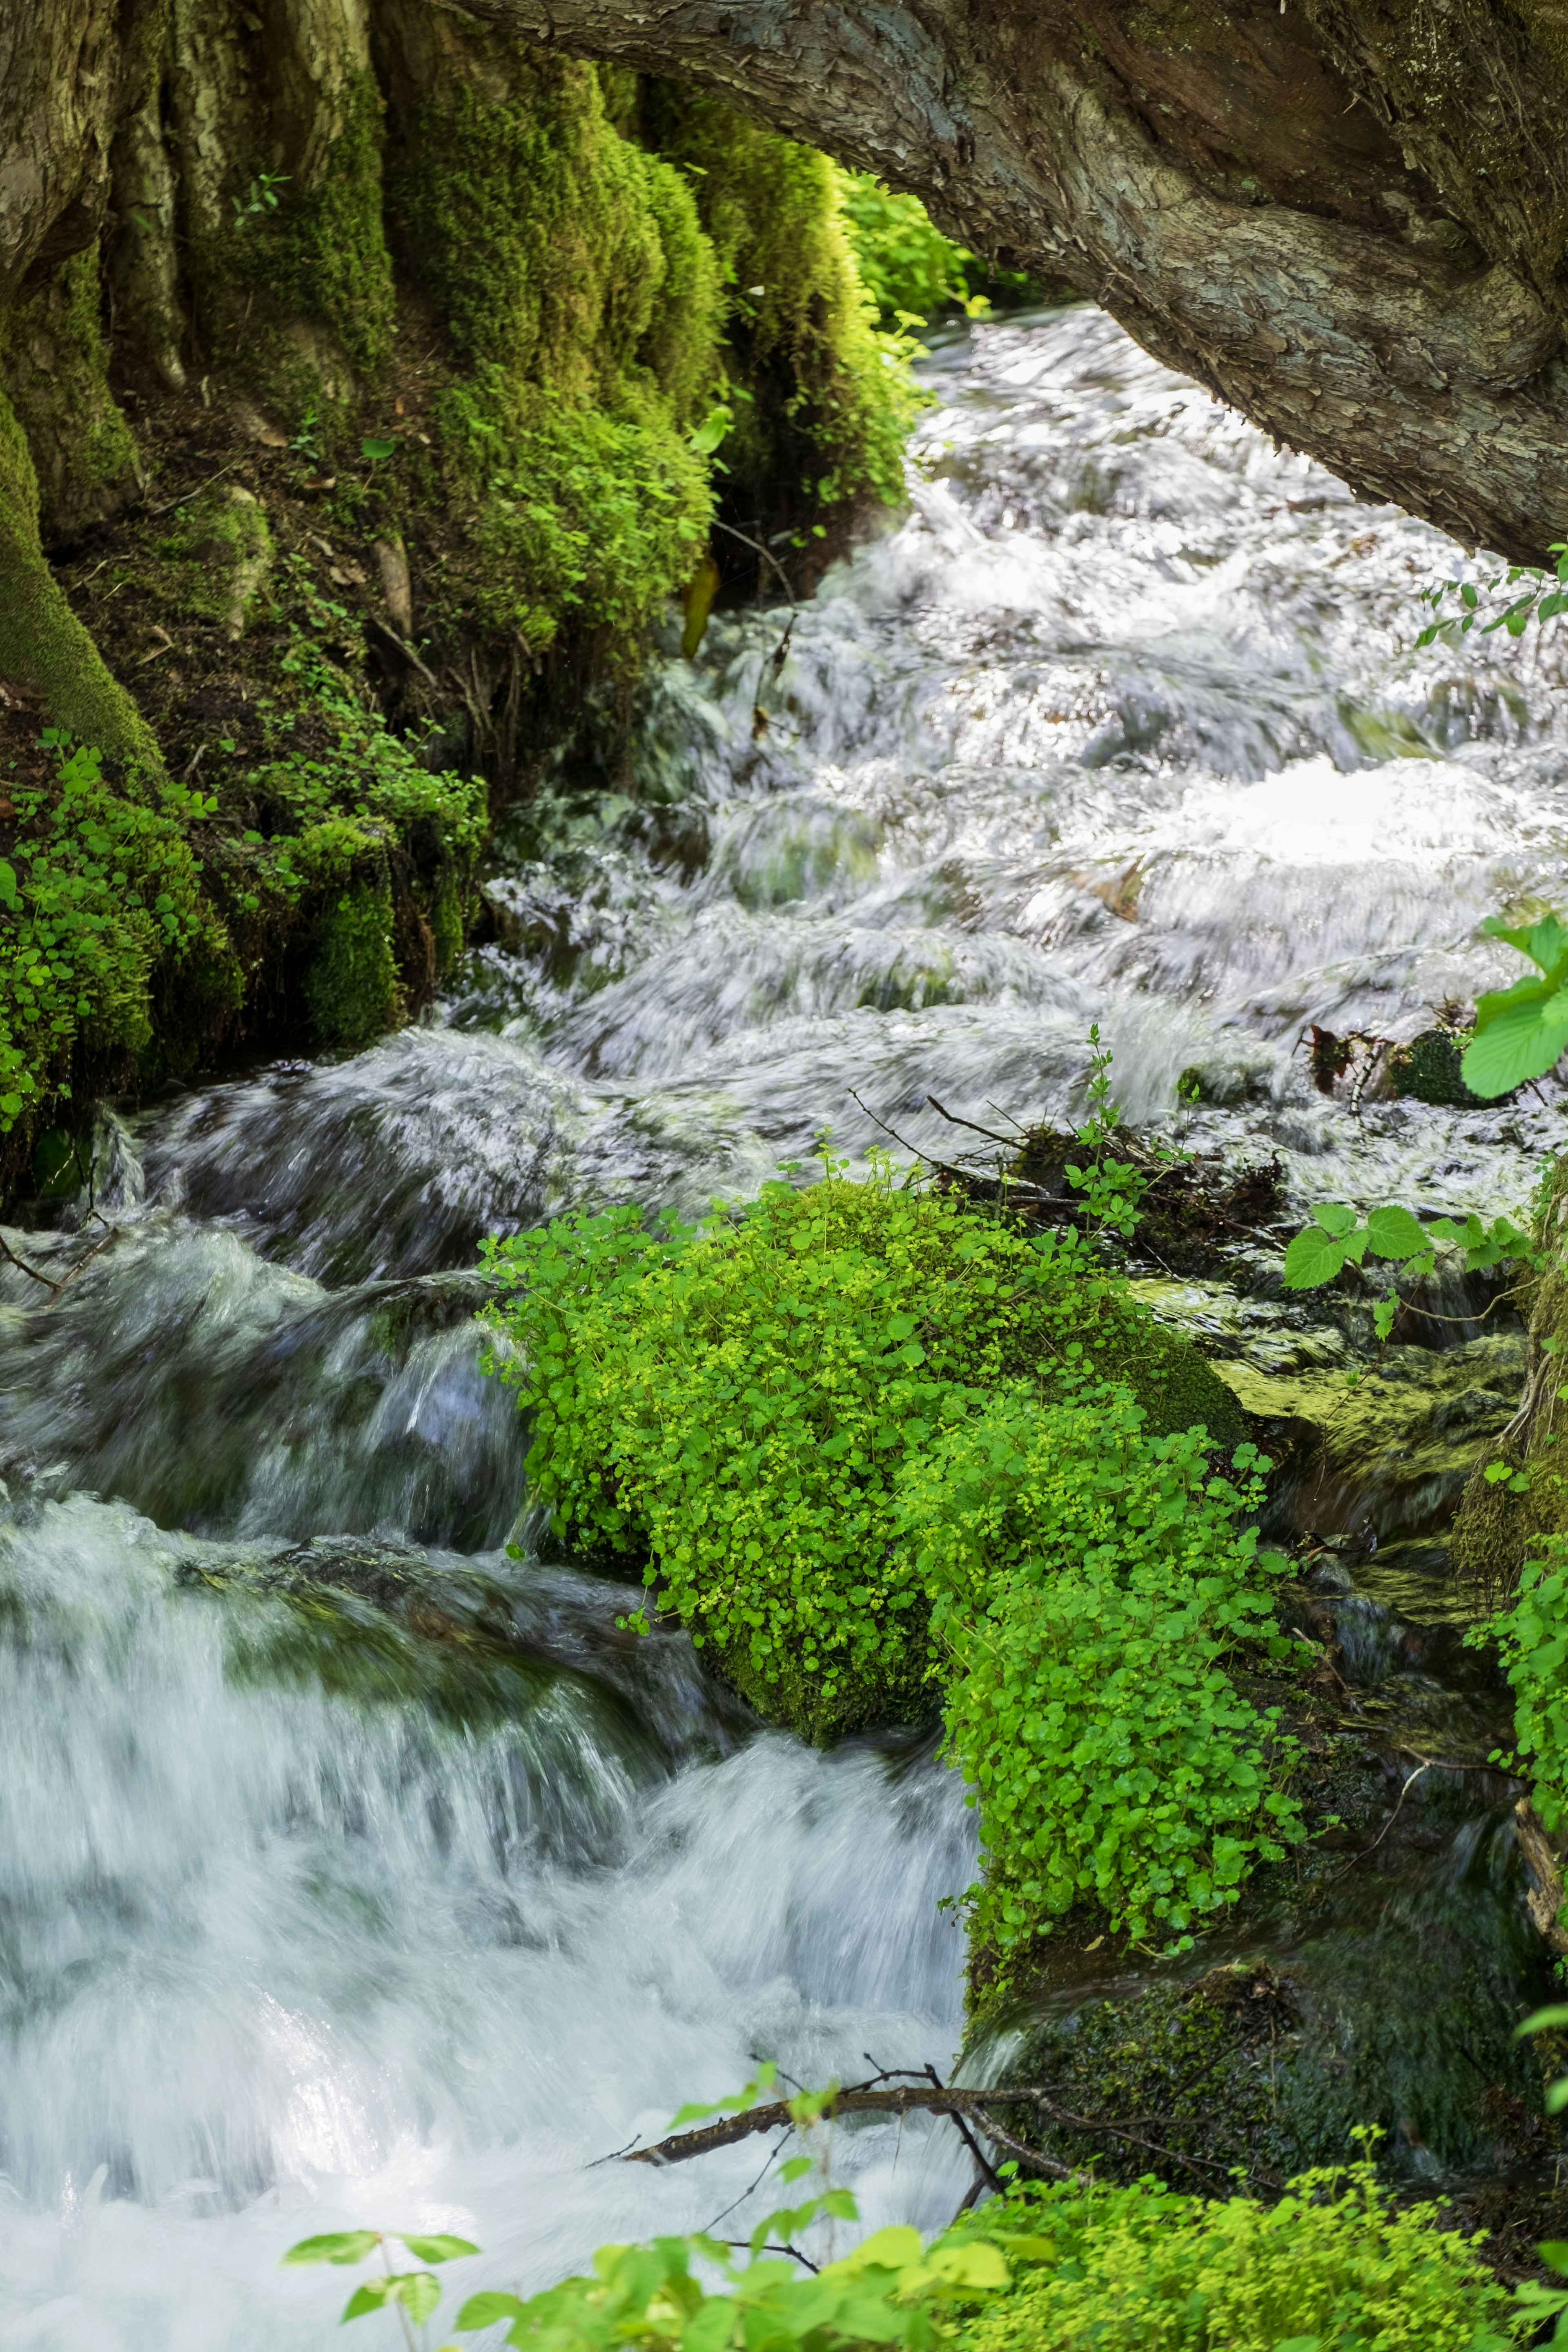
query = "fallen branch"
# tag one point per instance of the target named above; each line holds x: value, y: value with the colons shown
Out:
x: 962, y: 2105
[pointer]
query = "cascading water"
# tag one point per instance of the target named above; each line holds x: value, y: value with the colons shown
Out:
x: 352, y: 1873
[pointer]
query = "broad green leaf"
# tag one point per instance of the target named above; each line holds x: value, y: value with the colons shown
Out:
x: 1313, y: 1257
x: 1544, y: 942
x: 1543, y: 2021
x: 375, y: 450
x: 418, y: 2292
x: 488, y: 2310
x: 1513, y: 1045
x: 711, y: 2327
x: 976, y: 2264
x: 1334, y: 1218
x: 438, y: 2249
x: 1395, y: 1232
x: 1556, y: 2252
x: 341, y: 2246
x: 370, y: 2297
x: 892, y: 2249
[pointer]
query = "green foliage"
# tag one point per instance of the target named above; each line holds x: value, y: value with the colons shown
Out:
x: 822, y: 398
x: 1334, y: 2266
x: 581, y: 515
x: 413, y: 2294
x: 1335, y: 1240
x: 908, y: 268
x: 1541, y: 600
x: 1531, y: 1636
x: 743, y: 1400
x: 860, y: 1431
x: 99, y: 887
x: 1091, y: 1582
x: 1521, y: 1031
x: 1112, y: 1189
x: 576, y: 287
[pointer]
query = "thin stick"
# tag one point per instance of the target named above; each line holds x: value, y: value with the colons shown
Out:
x: 1424, y: 1767
x: 952, y: 1120
x: 758, y: 549
x: 186, y: 499
x: 965, y: 2134
x: 21, y: 1264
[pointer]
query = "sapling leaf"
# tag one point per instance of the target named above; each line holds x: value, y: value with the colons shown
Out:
x: 1313, y: 1257
x: 438, y: 2248
x: 1395, y: 1232
x: 340, y: 2246
x: 488, y: 2310
x: 1522, y: 1037
x: 1334, y: 1218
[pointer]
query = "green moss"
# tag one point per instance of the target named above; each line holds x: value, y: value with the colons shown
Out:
x: 98, y: 889
x: 351, y: 983
x: 822, y: 401
x: 215, y: 559
x: 43, y: 648
x: 54, y: 363
x: 571, y: 274
x: 323, y: 252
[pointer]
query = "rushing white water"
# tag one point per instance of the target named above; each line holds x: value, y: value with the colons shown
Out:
x: 377, y: 1883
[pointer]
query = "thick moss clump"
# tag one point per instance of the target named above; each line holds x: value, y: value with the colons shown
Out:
x: 43, y: 648
x: 54, y: 363
x: 820, y: 400
x: 351, y: 982
x: 573, y: 278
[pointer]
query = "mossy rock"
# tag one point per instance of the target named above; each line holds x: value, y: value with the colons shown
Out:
x: 1267, y: 2068
x: 351, y: 983
x: 1429, y: 1069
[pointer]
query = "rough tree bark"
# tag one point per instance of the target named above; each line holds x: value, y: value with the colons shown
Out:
x: 1347, y: 218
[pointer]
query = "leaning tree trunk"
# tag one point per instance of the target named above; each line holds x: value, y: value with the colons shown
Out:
x: 1348, y: 217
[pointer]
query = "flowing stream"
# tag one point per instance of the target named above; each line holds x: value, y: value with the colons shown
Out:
x: 353, y: 1872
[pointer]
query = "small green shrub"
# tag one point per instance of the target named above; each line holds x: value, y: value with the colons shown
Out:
x: 864, y: 1431
x: 743, y: 1401
x: 1091, y: 1582
x: 1532, y: 1637
x: 99, y: 887
x: 1335, y: 2266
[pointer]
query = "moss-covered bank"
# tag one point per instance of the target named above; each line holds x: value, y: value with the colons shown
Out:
x: 385, y: 408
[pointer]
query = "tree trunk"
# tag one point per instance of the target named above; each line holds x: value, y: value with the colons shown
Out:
x: 1348, y: 219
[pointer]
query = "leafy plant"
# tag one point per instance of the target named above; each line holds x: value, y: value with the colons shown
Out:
x: 1541, y: 601
x: 260, y: 197
x: 1334, y: 2266
x: 413, y: 2294
x: 1521, y: 1031
x: 860, y: 1430
x: 1112, y: 1189
x: 98, y: 886
x: 1092, y: 1582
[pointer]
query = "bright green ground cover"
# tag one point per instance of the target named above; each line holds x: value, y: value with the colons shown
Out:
x: 888, y: 1456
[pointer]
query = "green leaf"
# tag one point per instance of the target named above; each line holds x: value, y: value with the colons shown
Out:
x: 376, y: 450
x: 1313, y: 1257
x: 488, y: 2310
x: 438, y: 2249
x: 418, y: 2292
x: 372, y: 2296
x: 1395, y: 1232
x: 1543, y: 2021
x: 341, y: 2246
x: 1522, y: 1037
x: 1555, y: 2252
x: 1334, y: 1218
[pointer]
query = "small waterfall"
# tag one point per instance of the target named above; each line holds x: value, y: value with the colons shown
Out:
x: 353, y: 1871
